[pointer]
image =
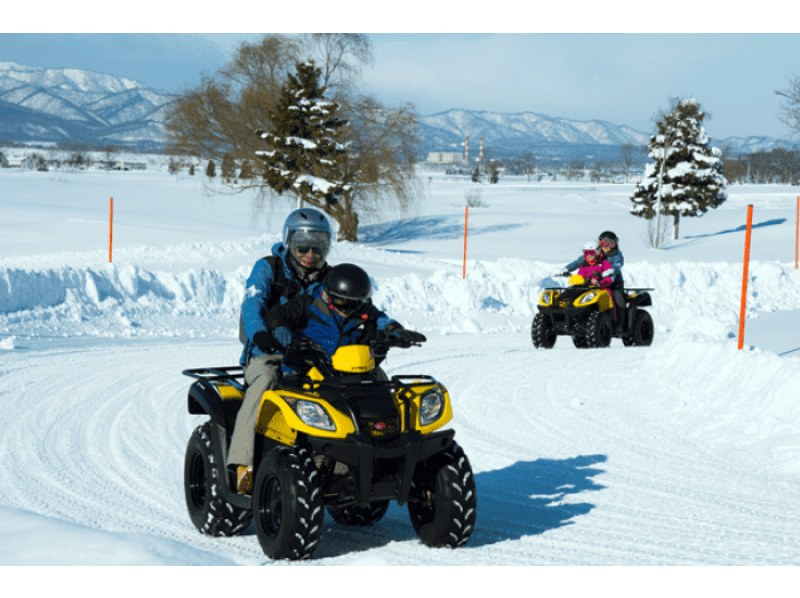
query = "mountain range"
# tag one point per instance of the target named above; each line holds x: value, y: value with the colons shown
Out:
x: 39, y: 105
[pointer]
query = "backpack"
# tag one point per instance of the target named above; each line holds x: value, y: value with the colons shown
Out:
x: 281, y: 287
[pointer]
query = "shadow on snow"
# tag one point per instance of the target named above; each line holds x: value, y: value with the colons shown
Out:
x: 427, y: 228
x: 527, y: 498
x: 739, y: 229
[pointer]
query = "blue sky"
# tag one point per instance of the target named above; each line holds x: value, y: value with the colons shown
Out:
x: 625, y: 78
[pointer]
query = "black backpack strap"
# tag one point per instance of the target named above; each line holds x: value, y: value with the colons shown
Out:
x: 281, y: 287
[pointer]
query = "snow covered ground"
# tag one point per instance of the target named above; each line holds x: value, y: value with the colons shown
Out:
x: 683, y: 453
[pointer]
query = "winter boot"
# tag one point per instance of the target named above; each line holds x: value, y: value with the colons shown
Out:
x: 244, y: 479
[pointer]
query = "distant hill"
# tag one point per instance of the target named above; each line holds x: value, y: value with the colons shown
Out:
x: 513, y: 135
x: 77, y: 106
x: 558, y: 139
x: 71, y: 105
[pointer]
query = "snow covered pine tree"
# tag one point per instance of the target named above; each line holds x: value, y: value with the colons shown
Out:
x: 685, y: 178
x: 306, y: 155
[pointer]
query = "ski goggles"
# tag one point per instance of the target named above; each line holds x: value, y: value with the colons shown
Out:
x: 345, y: 304
x: 605, y: 242
x: 304, y: 249
x: 304, y: 241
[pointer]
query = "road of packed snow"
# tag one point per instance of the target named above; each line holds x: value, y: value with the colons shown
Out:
x: 683, y: 453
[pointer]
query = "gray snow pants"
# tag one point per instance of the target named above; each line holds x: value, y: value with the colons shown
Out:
x: 261, y: 374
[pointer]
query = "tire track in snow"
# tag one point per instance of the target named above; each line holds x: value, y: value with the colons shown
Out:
x: 97, y: 435
x: 107, y: 441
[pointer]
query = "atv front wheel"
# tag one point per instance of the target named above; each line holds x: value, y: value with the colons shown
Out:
x: 210, y: 513
x: 287, y: 504
x: 359, y: 515
x: 443, y: 503
x: 543, y: 333
x: 599, y: 330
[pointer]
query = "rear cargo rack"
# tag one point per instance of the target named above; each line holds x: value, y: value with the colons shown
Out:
x: 232, y: 374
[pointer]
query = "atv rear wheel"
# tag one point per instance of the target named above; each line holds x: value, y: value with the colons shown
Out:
x: 443, y: 502
x: 579, y: 340
x: 359, y: 515
x: 599, y: 329
x: 642, y: 331
x: 543, y: 333
x: 287, y: 504
x: 210, y: 513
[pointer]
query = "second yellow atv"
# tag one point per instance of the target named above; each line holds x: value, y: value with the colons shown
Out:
x: 341, y: 437
x: 586, y: 314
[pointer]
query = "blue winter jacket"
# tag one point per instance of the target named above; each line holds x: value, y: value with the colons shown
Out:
x: 258, y: 296
x: 314, y: 319
x: 617, y: 261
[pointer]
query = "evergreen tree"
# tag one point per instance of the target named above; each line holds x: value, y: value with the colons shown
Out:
x: 228, y: 168
x: 476, y: 173
x: 306, y: 154
x: 685, y: 177
x: 494, y: 172
x: 245, y: 170
x: 211, y: 169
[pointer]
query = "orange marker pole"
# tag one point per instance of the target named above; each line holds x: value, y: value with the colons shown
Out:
x: 746, y: 269
x: 110, y: 227
x: 796, y: 231
x: 466, y: 226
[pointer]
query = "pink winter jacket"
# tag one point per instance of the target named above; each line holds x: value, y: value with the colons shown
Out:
x: 603, y: 271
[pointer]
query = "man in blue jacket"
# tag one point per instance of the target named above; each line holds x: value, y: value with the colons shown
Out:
x: 296, y: 266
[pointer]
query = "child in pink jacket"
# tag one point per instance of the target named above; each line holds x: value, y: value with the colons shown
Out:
x: 596, y: 269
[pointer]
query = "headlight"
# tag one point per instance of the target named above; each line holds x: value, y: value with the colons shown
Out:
x: 313, y: 414
x: 586, y: 298
x: 431, y: 406
x: 547, y: 298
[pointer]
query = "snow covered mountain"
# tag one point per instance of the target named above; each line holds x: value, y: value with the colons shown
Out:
x: 506, y: 135
x: 72, y: 105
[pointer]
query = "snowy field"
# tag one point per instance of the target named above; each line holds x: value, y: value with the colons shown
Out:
x: 684, y: 453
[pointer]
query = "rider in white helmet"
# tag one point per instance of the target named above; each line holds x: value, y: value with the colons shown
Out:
x: 296, y: 266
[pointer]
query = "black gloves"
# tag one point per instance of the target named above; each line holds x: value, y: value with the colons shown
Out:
x: 267, y: 343
x: 406, y: 337
x: 303, y: 344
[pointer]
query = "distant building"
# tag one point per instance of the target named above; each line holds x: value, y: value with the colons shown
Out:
x: 445, y: 158
x: 122, y: 165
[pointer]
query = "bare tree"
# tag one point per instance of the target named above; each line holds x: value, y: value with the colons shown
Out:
x: 627, y: 153
x: 790, y: 107
x: 220, y: 117
x: 340, y: 57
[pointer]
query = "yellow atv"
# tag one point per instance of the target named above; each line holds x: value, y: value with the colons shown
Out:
x: 586, y: 314
x: 341, y: 437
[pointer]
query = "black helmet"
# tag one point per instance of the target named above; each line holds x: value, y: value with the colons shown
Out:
x: 348, y: 287
x: 607, y: 234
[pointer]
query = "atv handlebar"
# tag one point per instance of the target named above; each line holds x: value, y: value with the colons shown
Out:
x: 304, y: 353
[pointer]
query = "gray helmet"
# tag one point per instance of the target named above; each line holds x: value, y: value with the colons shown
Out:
x: 307, y: 227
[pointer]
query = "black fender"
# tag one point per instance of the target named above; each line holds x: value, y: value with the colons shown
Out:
x: 203, y: 398
x: 642, y: 299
